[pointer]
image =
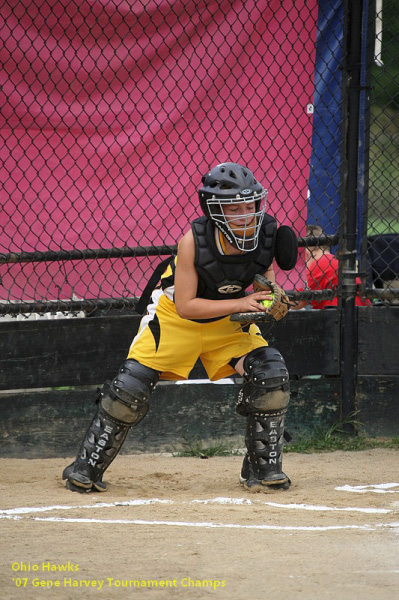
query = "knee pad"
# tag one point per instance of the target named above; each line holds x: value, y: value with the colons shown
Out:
x: 266, y: 383
x: 126, y: 397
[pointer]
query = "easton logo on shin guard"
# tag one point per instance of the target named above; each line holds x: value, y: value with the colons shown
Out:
x: 100, y: 445
x: 273, y: 454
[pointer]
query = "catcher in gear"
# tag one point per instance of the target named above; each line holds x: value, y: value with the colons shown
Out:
x: 189, y: 317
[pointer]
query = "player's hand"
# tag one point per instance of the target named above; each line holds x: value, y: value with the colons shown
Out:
x: 251, y: 303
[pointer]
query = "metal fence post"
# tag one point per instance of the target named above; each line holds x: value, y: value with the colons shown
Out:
x: 348, y: 212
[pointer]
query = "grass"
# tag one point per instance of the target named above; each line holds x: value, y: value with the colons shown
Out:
x: 338, y: 436
x: 341, y: 436
x: 382, y: 226
x: 384, y: 163
x: 320, y: 442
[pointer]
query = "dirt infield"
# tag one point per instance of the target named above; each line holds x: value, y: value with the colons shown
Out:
x: 183, y: 528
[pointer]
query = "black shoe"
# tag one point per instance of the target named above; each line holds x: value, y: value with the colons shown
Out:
x: 76, y: 482
x: 280, y: 482
x: 275, y: 481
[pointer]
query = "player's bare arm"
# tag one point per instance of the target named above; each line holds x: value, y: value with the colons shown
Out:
x: 270, y: 274
x: 188, y: 306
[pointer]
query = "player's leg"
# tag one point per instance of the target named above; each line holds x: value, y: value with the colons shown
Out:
x: 122, y: 404
x: 263, y: 400
x: 169, y: 346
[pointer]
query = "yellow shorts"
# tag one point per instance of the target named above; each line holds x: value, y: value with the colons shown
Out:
x: 169, y: 344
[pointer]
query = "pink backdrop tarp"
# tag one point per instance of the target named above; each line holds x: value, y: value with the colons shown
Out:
x: 112, y: 111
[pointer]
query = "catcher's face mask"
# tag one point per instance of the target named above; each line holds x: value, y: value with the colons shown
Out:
x: 239, y: 219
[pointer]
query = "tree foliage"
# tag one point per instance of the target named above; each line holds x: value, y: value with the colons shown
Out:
x: 384, y: 128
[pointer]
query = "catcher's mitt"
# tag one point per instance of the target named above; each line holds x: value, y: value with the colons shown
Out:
x: 276, y: 310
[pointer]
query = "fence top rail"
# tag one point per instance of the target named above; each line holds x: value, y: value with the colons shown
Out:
x: 128, y: 251
x: 86, y: 254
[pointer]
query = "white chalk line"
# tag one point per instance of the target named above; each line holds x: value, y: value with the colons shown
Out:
x: 296, y: 506
x: 26, y: 510
x: 376, y: 488
x: 21, y: 513
x: 33, y: 509
x: 211, y: 525
x: 384, y: 488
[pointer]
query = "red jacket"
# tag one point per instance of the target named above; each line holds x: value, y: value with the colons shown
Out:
x: 322, y: 274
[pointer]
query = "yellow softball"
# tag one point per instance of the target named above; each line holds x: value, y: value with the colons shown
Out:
x: 267, y: 303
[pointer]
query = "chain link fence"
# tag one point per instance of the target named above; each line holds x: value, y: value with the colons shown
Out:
x: 383, y: 205
x: 112, y: 111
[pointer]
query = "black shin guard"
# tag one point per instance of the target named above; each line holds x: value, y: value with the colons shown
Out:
x: 101, y: 444
x: 123, y: 403
x: 262, y: 465
x: 263, y: 400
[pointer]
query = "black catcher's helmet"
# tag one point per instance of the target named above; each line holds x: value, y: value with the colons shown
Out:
x: 230, y: 184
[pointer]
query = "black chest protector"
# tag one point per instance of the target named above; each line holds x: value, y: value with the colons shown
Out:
x: 225, y: 277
